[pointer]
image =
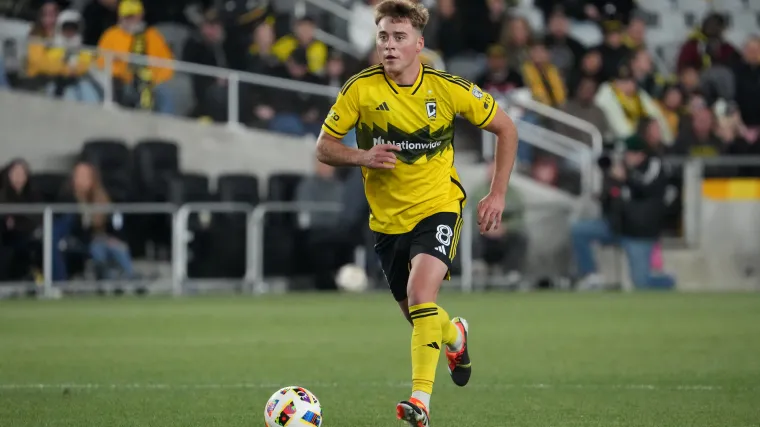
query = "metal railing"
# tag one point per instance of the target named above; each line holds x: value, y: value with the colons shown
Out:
x: 255, y: 266
x: 597, y: 141
x: 234, y: 79
x: 253, y: 280
x: 322, y: 35
x: 554, y: 143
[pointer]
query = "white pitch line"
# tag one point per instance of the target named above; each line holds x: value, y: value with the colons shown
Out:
x: 317, y: 385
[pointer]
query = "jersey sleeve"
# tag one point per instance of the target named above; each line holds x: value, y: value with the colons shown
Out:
x: 472, y: 103
x: 344, y: 113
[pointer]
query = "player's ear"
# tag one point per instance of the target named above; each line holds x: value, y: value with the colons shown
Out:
x: 420, y: 44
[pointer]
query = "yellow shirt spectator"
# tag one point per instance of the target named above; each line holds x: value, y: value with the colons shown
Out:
x: 543, y: 78
x: 60, y: 54
x: 117, y: 40
x: 303, y: 35
x: 50, y: 61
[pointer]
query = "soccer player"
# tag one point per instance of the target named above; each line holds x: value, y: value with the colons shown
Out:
x: 404, y: 113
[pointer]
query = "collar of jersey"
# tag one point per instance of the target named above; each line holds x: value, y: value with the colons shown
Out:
x: 413, y: 88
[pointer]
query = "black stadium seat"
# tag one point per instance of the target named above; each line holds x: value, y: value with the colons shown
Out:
x: 281, y: 229
x: 156, y: 162
x: 49, y: 185
x: 110, y: 156
x: 189, y: 187
x: 281, y: 187
x: 226, y: 253
x: 238, y: 188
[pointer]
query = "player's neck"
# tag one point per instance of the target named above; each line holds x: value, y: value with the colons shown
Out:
x: 408, y: 76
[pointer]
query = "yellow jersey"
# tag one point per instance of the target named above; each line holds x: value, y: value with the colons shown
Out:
x: 420, y: 120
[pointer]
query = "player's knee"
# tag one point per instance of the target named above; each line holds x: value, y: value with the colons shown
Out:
x: 425, y: 279
x: 421, y: 295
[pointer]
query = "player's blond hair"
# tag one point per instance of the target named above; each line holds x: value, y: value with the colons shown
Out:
x: 416, y: 13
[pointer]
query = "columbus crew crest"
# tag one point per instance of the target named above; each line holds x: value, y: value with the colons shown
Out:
x: 432, y: 109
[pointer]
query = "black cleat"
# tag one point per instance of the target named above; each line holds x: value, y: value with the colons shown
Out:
x: 460, y: 367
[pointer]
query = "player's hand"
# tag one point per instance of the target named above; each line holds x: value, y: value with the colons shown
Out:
x: 489, y: 212
x: 380, y: 157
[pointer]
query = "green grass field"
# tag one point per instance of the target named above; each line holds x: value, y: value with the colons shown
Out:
x: 538, y: 360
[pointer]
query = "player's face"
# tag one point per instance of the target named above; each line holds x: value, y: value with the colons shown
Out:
x: 398, y: 43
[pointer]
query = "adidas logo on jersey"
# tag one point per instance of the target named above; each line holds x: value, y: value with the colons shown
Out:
x: 441, y: 249
x: 383, y: 107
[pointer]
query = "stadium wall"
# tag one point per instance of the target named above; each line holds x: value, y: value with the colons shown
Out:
x: 48, y: 133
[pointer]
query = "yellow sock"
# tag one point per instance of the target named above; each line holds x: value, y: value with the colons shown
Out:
x: 449, y: 332
x: 426, y: 345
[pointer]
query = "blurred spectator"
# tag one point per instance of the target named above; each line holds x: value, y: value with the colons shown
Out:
x: 625, y: 105
x: 26, y: 10
x: 633, y: 205
x: 582, y: 106
x: 609, y: 10
x: 566, y: 52
x: 688, y: 79
x: 20, y: 233
x: 207, y: 48
x: 261, y: 58
x: 94, y: 230
x: 303, y: 37
x: 240, y: 18
x: 590, y: 67
x: 40, y: 37
x: 671, y: 105
x: 614, y: 52
x: 503, y: 250
x: 706, y: 47
x: 697, y: 137
x: 747, y: 74
x: 635, y: 34
x: 491, y: 22
x: 545, y: 169
x: 450, y: 35
x: 738, y: 139
x: 298, y: 113
x: 499, y: 78
x: 543, y: 78
x: 361, y: 26
x: 44, y: 25
x: 99, y: 15
x: 650, y: 133
x: 61, y: 64
x: 325, y: 245
x: 335, y: 71
x: 573, y: 9
x: 643, y: 72
x: 139, y: 86
x: 516, y: 37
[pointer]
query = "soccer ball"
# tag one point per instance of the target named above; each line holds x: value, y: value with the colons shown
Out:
x: 293, y: 406
x: 352, y: 278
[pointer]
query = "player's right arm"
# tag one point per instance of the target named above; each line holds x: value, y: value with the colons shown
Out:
x: 342, y: 117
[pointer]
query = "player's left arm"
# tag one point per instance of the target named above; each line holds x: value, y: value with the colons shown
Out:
x: 483, y: 111
x: 491, y: 208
